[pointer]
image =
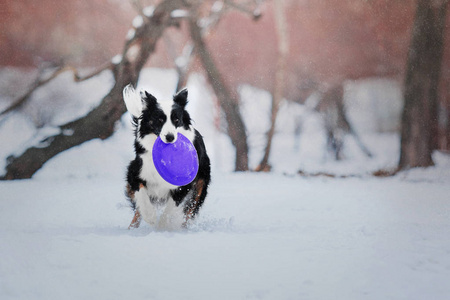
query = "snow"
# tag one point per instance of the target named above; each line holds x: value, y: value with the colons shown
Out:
x: 148, y: 11
x: 116, y: 59
x: 217, y: 6
x: 130, y: 34
x: 179, y: 13
x: 374, y: 104
x: 259, y: 236
x: 138, y: 21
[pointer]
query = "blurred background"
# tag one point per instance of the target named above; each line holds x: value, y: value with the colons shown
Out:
x: 291, y: 86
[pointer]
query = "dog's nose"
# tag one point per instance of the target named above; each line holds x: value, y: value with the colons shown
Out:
x: 170, y: 137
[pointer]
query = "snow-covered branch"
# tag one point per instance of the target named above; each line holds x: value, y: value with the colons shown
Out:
x: 43, y: 78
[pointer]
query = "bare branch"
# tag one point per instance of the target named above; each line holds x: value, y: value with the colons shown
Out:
x: 78, y: 78
x: 36, y: 84
x: 254, y: 13
x: 40, y: 81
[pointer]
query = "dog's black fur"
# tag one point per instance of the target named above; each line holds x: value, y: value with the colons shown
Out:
x: 150, y: 122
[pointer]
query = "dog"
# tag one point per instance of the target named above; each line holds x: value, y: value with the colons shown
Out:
x: 147, y: 192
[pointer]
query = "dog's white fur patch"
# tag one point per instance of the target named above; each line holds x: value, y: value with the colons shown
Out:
x: 147, y: 210
x: 190, y: 133
x: 133, y: 101
x: 149, y: 171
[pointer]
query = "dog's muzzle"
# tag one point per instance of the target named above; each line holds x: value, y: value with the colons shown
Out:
x: 169, y: 138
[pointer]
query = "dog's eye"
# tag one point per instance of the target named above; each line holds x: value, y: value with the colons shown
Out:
x: 161, y: 120
x: 176, y: 121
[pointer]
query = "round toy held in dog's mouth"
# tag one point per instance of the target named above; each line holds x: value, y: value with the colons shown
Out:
x: 177, y: 162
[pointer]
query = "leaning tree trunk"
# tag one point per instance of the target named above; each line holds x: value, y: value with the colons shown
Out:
x: 99, y: 123
x: 419, y: 119
x: 227, y: 100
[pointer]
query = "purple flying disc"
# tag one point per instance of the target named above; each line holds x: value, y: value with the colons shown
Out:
x: 177, y: 162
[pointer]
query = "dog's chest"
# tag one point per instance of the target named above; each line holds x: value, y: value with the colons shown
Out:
x: 156, y: 185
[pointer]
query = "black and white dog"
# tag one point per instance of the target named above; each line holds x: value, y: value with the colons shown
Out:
x: 147, y: 191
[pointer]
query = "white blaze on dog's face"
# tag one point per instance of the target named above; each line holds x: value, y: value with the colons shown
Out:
x: 169, y: 132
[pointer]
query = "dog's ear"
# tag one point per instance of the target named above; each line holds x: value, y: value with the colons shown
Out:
x: 149, y: 100
x: 181, y: 97
x: 133, y: 101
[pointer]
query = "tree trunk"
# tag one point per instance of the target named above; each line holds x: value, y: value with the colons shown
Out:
x: 228, y: 100
x: 277, y: 96
x: 420, y: 115
x: 332, y: 108
x: 99, y: 123
x: 446, y: 145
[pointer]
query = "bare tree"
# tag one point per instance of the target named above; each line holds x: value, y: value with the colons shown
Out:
x: 277, y: 96
x: 420, y: 112
x: 99, y: 123
x: 337, y: 126
x: 227, y: 99
x: 226, y: 95
x: 329, y: 103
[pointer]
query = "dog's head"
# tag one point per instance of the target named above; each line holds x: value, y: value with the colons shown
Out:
x: 161, y: 118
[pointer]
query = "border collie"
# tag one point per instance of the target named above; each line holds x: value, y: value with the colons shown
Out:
x: 147, y: 192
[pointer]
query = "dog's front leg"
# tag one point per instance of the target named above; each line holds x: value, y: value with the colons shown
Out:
x: 144, y: 208
x: 137, y: 216
x: 192, y: 206
x: 136, y: 220
x: 172, y: 217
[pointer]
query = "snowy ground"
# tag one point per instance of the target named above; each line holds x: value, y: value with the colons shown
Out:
x: 63, y: 234
x: 259, y: 236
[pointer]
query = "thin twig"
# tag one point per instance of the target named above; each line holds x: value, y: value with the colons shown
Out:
x: 77, y: 78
